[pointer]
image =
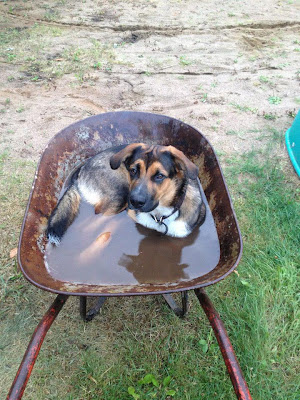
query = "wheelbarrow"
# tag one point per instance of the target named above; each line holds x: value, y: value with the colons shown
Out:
x: 66, y: 151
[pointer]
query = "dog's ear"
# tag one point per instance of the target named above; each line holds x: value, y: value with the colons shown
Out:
x: 118, y: 158
x: 183, y: 162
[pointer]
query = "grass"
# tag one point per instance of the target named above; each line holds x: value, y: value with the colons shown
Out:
x: 184, y: 61
x: 274, y: 100
x: 41, y: 53
x: 244, y: 108
x: 269, y: 116
x: 137, y: 337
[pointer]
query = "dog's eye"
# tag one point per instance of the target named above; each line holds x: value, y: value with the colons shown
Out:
x: 132, y: 171
x: 159, y: 177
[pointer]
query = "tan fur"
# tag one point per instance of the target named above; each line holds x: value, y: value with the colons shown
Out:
x: 184, y: 161
x: 191, y: 197
x: 116, y: 159
x: 166, y: 193
x: 72, y: 201
x: 154, y: 167
x: 106, y: 207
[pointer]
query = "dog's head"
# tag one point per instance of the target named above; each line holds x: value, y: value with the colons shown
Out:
x: 157, y: 174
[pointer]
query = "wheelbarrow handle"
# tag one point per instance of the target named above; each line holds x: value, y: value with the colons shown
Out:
x: 232, y: 364
x: 24, y: 371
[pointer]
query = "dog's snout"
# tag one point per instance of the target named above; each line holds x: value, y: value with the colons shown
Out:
x: 138, y: 200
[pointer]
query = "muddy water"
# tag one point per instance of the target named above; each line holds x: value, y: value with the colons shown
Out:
x: 117, y: 251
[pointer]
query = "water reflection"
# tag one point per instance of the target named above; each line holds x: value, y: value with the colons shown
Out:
x: 159, y: 257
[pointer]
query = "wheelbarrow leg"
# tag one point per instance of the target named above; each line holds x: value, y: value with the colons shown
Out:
x: 179, y: 311
x: 88, y: 316
x: 27, y: 364
x: 232, y: 364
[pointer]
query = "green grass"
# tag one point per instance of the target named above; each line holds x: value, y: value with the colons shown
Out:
x: 269, y: 116
x: 274, y: 100
x: 184, y: 61
x: 135, y: 337
x: 244, y: 108
x: 41, y: 54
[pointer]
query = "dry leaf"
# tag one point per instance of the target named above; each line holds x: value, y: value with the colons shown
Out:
x: 13, y: 252
x: 93, y: 379
x: 104, y: 237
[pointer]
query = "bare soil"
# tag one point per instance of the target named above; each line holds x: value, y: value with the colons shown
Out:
x: 230, y: 69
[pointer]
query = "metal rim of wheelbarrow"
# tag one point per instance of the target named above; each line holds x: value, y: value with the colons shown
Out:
x: 82, y: 133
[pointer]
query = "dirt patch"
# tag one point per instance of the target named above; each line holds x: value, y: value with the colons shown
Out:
x: 219, y: 73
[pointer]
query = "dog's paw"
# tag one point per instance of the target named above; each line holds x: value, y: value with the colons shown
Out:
x: 178, y: 229
x: 53, y: 237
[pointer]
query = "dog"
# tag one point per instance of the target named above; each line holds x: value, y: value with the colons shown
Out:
x: 158, y: 185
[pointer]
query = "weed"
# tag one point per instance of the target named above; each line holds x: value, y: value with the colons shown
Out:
x: 269, y: 116
x: 80, y: 76
x: 292, y: 113
x: 33, y: 49
x: 11, y: 57
x: 204, y: 345
x: 97, y: 65
x: 274, y: 100
x: 240, y: 135
x: 283, y: 65
x: 75, y: 56
x: 204, y: 98
x: 183, y: 61
x: 232, y: 132
x: 152, y: 388
x: 244, y: 108
x: 51, y: 15
x: 20, y: 109
x: 264, y: 79
x: 297, y: 100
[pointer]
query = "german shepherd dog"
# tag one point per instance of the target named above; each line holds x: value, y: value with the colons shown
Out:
x: 158, y: 185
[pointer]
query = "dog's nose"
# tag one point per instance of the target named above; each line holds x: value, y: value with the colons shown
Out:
x: 138, y: 201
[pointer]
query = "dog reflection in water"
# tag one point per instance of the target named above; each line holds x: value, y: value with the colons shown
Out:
x: 158, y: 261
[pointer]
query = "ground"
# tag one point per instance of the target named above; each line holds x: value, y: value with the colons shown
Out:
x: 230, y: 69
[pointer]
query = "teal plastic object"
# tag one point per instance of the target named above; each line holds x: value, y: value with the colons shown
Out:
x: 292, y: 140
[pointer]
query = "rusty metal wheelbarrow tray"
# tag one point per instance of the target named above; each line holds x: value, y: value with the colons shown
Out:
x: 71, y: 147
